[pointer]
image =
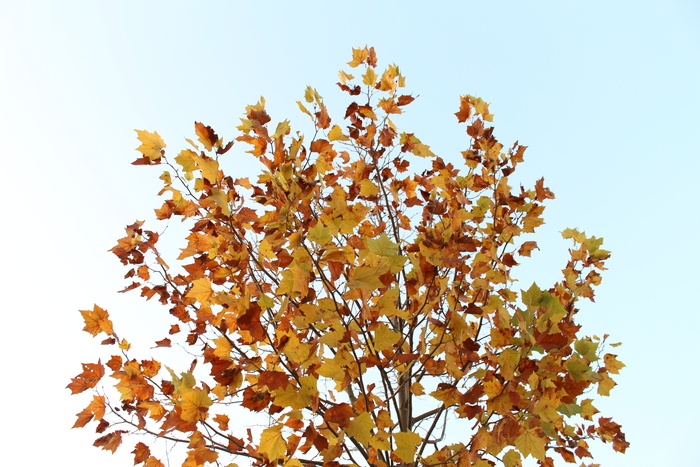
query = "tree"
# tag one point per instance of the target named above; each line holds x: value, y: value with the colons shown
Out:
x: 358, y: 312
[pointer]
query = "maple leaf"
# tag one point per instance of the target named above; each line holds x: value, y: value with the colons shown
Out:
x: 406, y: 445
x: 339, y: 414
x: 91, y: 375
x: 201, y: 291
x: 97, y: 321
x: 365, y: 277
x: 527, y: 247
x: 272, y: 443
x: 206, y: 135
x: 336, y: 134
x: 612, y: 364
x: 141, y: 452
x: 83, y: 418
x: 361, y: 428
x: 153, y: 462
x: 530, y: 443
x: 111, y: 441
x: 512, y: 459
x: 152, y: 145
x: 194, y: 405
x: 97, y: 407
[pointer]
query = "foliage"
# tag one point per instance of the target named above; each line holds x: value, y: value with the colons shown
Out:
x: 367, y: 313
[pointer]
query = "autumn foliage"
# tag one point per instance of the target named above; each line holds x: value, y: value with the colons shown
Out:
x: 344, y: 309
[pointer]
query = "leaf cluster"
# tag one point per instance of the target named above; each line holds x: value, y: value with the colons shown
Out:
x: 362, y: 308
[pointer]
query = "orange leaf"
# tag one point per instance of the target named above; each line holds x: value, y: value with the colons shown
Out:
x: 91, y: 375
x: 97, y: 321
x: 206, y: 135
x: 141, y: 453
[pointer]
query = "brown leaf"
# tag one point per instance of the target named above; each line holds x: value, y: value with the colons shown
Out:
x: 111, y: 441
x: 339, y: 414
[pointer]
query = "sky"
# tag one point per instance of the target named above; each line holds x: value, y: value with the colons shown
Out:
x: 606, y: 95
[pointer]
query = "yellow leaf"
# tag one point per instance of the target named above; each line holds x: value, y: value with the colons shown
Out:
x: 368, y: 188
x: 605, y: 385
x: 297, y: 398
x: 209, y: 168
x: 370, y: 77
x: 529, y: 443
x: 186, y: 160
x: 155, y: 409
x: 509, y: 360
x: 381, y: 441
x: 388, y: 82
x: 311, y: 94
x: 512, y: 459
x: 220, y: 197
x: 358, y: 56
x: 360, y: 428
x: 201, y: 291
x: 345, y: 77
x: 406, y: 445
x: 151, y: 144
x: 320, y: 234
x: 417, y: 389
x: 493, y: 388
x: 265, y: 249
x: 282, y: 129
x: 423, y: 150
x: 302, y: 108
x: 335, y: 367
x: 364, y: 277
x: 613, y: 364
x: 272, y: 443
x: 223, y: 348
x: 296, y: 350
x: 194, y: 405
x: 385, y: 337
x: 337, y: 134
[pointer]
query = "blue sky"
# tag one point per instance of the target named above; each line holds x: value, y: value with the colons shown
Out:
x: 605, y: 94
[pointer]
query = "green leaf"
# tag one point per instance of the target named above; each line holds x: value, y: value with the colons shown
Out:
x: 320, y: 234
x: 512, y: 459
x: 365, y: 277
x: 587, y: 349
x: 382, y: 245
x: 579, y: 371
x: 533, y: 296
x: 184, y: 384
x: 570, y: 233
x: 548, y: 428
x: 569, y: 409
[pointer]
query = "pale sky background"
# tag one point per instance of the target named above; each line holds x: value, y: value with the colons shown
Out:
x: 606, y: 94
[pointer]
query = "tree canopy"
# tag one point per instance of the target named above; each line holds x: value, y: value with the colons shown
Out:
x: 346, y: 309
